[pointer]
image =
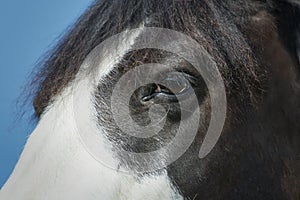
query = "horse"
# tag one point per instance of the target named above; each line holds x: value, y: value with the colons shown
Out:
x: 78, y: 149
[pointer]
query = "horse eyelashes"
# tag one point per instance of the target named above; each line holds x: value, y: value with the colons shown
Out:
x: 172, y: 87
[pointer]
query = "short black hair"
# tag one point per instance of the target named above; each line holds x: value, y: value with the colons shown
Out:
x: 220, y: 22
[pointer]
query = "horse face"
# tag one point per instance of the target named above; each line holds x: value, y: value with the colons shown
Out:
x: 255, y: 46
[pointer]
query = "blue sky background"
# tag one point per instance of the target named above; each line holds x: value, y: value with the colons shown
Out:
x: 27, y: 30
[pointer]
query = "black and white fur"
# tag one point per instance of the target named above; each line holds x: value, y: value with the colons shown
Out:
x: 256, y: 45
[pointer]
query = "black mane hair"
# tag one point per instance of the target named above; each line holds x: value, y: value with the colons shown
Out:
x: 216, y: 19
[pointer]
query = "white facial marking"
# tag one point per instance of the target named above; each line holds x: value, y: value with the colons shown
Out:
x: 56, y: 165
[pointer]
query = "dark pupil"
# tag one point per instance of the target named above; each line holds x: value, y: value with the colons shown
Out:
x: 172, y: 85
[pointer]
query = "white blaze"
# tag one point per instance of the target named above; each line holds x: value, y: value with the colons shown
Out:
x: 55, y: 165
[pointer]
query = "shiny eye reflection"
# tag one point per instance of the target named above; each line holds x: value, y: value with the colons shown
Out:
x: 173, y: 87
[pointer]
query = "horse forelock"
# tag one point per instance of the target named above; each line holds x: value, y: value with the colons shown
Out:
x: 209, y: 23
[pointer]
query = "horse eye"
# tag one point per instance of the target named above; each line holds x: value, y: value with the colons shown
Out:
x: 174, y: 86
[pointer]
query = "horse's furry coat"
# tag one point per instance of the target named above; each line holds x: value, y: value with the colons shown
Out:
x: 256, y: 45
